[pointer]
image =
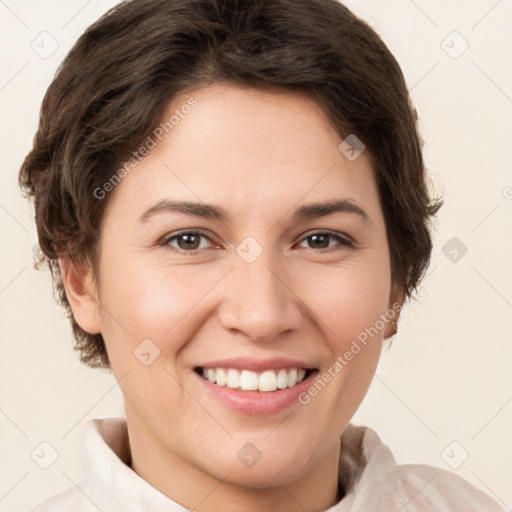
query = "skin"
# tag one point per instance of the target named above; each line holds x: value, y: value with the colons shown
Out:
x: 259, y: 155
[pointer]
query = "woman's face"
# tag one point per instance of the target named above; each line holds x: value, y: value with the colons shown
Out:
x: 262, y: 287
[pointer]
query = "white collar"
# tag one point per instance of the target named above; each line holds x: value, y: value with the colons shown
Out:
x: 369, y: 474
x: 108, y: 479
x: 106, y: 472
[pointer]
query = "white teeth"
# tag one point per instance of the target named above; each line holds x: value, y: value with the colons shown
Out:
x: 292, y: 377
x: 268, y: 381
x: 247, y: 380
x: 282, y: 379
x: 222, y: 378
x: 233, y: 380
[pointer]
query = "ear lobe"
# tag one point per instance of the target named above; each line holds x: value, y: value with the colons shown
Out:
x: 81, y: 293
x: 396, y: 302
x: 391, y: 328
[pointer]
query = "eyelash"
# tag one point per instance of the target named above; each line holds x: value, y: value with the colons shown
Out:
x: 342, y: 241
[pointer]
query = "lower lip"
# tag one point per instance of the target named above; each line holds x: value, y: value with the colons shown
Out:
x: 257, y: 402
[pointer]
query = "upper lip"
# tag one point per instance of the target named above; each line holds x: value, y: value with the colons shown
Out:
x: 257, y: 365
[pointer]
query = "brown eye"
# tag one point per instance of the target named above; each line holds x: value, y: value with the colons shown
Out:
x: 189, y: 241
x: 320, y: 241
x: 186, y: 241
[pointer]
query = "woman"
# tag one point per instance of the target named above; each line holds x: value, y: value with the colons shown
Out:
x: 276, y: 140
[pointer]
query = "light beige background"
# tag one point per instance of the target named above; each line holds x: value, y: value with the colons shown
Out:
x: 447, y: 376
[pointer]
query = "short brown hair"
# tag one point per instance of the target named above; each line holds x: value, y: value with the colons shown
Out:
x: 110, y: 91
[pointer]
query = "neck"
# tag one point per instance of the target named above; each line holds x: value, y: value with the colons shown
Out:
x: 190, y: 486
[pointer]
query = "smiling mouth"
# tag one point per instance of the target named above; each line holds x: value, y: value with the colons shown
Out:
x: 247, y: 380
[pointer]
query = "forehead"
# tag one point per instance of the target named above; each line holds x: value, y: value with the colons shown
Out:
x: 252, y: 149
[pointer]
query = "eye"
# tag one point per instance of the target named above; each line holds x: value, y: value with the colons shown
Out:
x: 187, y: 241
x: 321, y: 240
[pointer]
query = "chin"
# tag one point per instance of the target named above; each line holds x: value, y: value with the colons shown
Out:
x: 269, y: 467
x: 264, y: 475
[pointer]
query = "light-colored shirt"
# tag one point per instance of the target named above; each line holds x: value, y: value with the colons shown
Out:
x: 368, y: 473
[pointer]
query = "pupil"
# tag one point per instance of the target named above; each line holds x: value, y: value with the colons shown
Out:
x: 315, y: 238
x: 190, y: 244
x: 191, y: 241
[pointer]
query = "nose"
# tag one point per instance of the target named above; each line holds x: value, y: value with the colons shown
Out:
x: 260, y: 301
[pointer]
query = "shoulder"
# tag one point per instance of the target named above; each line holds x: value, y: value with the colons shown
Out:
x: 70, y: 499
x: 373, y: 480
x: 437, y: 489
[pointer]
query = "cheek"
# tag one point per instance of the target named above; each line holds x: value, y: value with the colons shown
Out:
x: 347, y: 301
x: 349, y: 310
x: 148, y: 310
x: 148, y: 299
x: 161, y: 303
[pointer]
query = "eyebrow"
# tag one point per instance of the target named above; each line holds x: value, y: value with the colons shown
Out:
x: 210, y: 211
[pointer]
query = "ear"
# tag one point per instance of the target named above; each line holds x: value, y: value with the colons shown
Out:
x: 395, y: 304
x: 81, y: 293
